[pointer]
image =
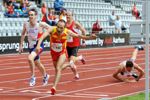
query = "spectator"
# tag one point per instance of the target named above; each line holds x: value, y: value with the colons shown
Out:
x: 38, y: 2
x: 123, y: 28
x: 118, y: 24
x: 63, y: 14
x: 44, y: 7
x: 112, y: 19
x: 10, y: 9
x: 24, y: 10
x: 58, y: 5
x: 96, y: 27
x: 51, y: 19
x: 135, y: 12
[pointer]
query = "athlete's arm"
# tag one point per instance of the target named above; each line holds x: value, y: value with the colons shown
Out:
x: 45, y: 34
x: 115, y: 75
x: 140, y: 70
x: 23, y: 34
x: 80, y: 27
x: 81, y: 36
x: 44, y: 25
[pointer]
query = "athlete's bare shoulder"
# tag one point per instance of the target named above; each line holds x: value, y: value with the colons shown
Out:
x: 44, y: 25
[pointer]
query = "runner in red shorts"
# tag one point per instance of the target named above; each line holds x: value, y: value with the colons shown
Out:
x: 58, y: 42
x: 73, y: 43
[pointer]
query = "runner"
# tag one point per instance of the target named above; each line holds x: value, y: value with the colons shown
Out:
x: 58, y: 42
x: 73, y: 43
x: 34, y: 30
x: 128, y: 67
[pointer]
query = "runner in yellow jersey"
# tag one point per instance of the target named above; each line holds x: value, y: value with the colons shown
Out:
x: 58, y: 41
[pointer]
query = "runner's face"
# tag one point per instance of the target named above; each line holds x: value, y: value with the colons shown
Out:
x: 60, y: 27
x: 129, y: 69
x: 69, y: 16
x: 32, y: 16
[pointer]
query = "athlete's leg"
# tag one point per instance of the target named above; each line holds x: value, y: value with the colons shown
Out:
x: 31, y: 58
x: 135, y: 52
x: 40, y: 67
x: 43, y: 71
x: 58, y: 69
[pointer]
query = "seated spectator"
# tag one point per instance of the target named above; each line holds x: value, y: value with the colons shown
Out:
x: 38, y: 2
x: 96, y: 28
x: 135, y: 12
x: 112, y: 19
x: 58, y: 5
x: 9, y: 10
x: 24, y: 10
x: 63, y: 14
x: 44, y: 8
x: 118, y: 25
x: 51, y: 19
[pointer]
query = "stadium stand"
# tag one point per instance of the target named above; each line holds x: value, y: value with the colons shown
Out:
x: 85, y: 11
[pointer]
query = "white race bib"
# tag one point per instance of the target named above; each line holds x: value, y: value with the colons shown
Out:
x: 31, y: 44
x: 57, y: 47
x: 69, y: 39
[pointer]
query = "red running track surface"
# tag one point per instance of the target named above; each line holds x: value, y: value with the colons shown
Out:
x: 96, y: 81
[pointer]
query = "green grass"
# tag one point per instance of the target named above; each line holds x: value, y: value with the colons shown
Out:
x: 140, y: 96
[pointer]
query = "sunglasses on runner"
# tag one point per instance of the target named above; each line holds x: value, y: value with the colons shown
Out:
x: 31, y: 14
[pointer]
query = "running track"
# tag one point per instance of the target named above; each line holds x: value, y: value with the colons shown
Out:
x: 95, y: 81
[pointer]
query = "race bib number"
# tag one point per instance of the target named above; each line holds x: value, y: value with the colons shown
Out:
x: 31, y: 44
x: 69, y: 39
x: 57, y: 47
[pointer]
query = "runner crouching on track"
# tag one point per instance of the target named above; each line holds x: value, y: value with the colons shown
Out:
x: 126, y: 68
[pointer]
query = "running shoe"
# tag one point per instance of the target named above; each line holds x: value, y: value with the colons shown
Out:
x: 32, y: 81
x: 45, y: 79
x: 53, y: 91
x: 135, y: 75
x: 83, y: 60
x: 139, y: 47
x: 77, y: 77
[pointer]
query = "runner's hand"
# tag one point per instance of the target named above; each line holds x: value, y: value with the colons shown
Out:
x: 93, y: 36
x: 20, y: 49
x: 129, y: 81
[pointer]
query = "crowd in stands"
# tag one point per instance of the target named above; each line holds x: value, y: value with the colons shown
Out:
x: 114, y: 20
x: 16, y: 8
x: 52, y: 14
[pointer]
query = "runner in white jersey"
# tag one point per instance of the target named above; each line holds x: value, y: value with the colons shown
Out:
x: 128, y: 67
x: 34, y: 30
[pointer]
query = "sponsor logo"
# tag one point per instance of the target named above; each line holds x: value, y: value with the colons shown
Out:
x: 118, y: 40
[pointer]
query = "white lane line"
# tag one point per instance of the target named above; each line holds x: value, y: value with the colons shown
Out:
x: 58, y: 83
x: 94, y: 55
x: 1, y: 89
x: 89, y: 94
x: 30, y: 91
x: 62, y: 74
x: 80, y: 51
x: 93, y: 92
x: 75, y: 91
x: 82, y: 65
